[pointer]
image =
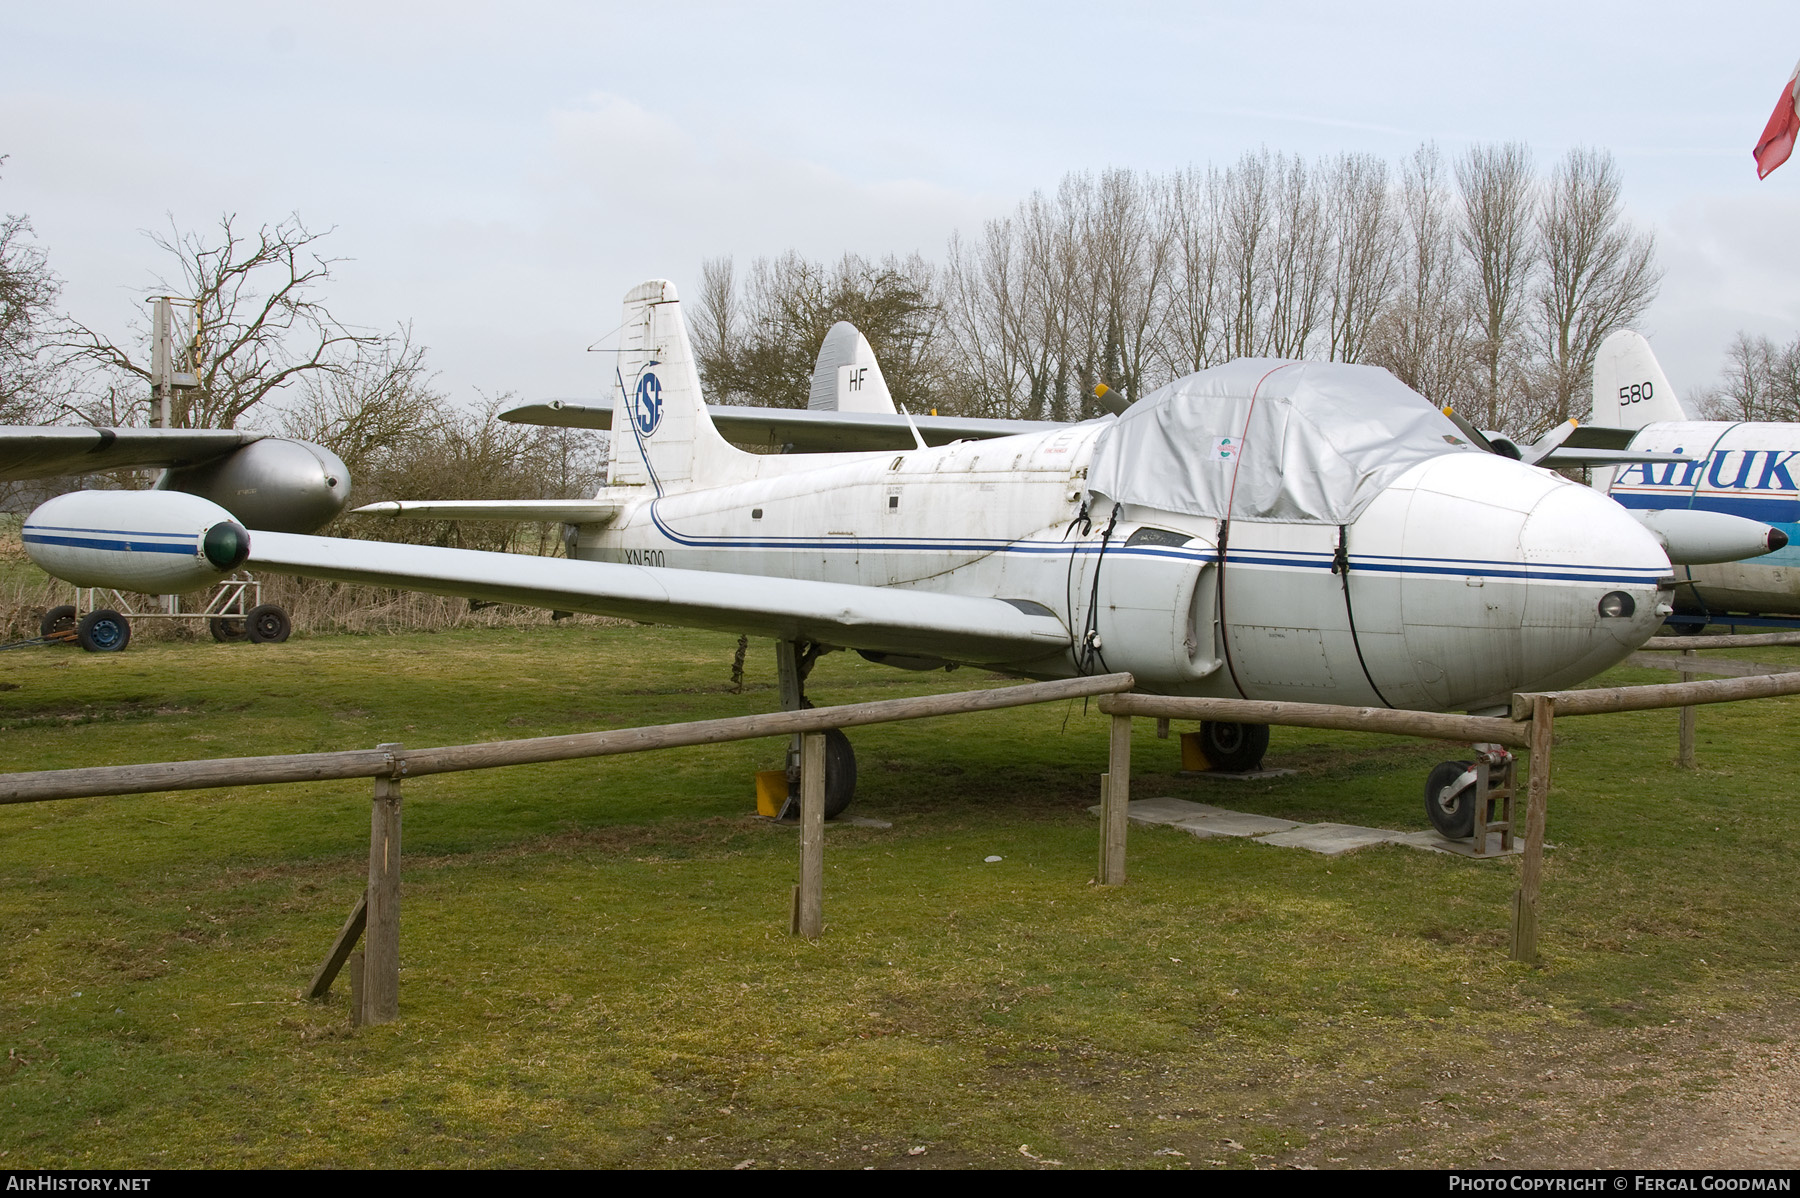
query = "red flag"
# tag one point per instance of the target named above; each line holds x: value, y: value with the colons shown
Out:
x: 1777, y: 140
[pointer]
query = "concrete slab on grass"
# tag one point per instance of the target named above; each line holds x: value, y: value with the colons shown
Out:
x: 1245, y: 776
x: 1219, y: 822
x: 1429, y: 839
x: 1331, y: 839
x: 1205, y: 820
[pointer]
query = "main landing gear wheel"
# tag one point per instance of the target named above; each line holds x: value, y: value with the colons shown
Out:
x: 58, y: 621
x: 840, y: 778
x: 1453, y: 815
x: 840, y: 772
x: 1234, y: 748
x: 103, y: 631
x: 268, y: 624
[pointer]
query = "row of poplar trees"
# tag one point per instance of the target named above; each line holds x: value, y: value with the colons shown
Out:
x: 1482, y: 281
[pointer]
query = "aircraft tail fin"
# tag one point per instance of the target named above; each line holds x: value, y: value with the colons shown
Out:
x: 1630, y: 389
x: 846, y: 377
x: 662, y: 434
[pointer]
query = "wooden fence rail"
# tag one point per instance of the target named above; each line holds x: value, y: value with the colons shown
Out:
x: 1669, y: 694
x: 375, y: 974
x: 1492, y: 729
x: 1745, y: 640
x: 414, y: 763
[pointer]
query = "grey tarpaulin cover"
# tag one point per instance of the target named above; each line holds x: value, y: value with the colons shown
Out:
x: 1305, y: 442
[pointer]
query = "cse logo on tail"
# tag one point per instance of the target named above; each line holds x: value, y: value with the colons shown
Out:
x: 647, y: 412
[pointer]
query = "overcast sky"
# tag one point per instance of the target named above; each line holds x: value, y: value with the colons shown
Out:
x: 500, y: 175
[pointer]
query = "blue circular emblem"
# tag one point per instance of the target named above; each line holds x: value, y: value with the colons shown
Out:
x: 648, y: 413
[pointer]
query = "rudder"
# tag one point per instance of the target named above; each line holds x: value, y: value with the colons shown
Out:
x: 662, y: 435
x: 1630, y: 388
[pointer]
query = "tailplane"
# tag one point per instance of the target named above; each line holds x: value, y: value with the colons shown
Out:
x: 1630, y: 389
x: 662, y: 435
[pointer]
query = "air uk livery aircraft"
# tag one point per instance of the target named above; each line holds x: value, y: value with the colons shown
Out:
x: 1740, y: 468
x: 1267, y: 529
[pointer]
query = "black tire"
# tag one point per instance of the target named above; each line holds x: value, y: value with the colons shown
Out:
x: 268, y: 624
x: 840, y: 772
x: 1684, y: 629
x: 1234, y: 748
x: 840, y: 778
x: 1457, y: 819
x: 103, y: 631
x: 225, y: 630
x: 58, y: 621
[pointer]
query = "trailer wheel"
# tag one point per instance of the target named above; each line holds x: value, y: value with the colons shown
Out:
x: 268, y: 624
x: 58, y: 621
x: 103, y: 631
x: 226, y: 630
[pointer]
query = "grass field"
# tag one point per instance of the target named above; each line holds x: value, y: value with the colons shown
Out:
x: 596, y: 970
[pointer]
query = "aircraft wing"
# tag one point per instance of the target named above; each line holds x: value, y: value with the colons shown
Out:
x: 553, y: 511
x: 879, y: 619
x: 804, y: 430
x: 1573, y: 444
x: 28, y: 451
x: 1566, y: 456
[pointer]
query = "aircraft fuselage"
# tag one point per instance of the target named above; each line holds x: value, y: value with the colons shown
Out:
x: 1469, y: 578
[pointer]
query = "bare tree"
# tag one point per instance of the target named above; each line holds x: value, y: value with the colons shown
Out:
x: 1498, y: 203
x: 1298, y: 267
x: 28, y: 291
x: 1247, y: 210
x: 1364, y: 240
x: 982, y: 303
x: 368, y: 407
x: 717, y: 330
x: 1192, y: 332
x: 791, y: 302
x: 1424, y: 336
x: 1599, y: 274
x: 1762, y: 382
x: 260, y: 325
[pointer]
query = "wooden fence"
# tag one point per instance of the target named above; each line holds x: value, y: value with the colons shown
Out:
x: 375, y: 975
x: 376, y: 917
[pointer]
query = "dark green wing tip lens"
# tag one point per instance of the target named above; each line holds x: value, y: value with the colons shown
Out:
x: 226, y: 545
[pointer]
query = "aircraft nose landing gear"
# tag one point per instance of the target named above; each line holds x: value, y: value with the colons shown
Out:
x: 1455, y: 789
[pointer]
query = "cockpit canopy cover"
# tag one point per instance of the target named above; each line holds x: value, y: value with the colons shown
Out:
x: 1267, y: 439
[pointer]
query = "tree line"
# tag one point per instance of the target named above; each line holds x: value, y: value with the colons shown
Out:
x: 270, y: 355
x: 1480, y: 282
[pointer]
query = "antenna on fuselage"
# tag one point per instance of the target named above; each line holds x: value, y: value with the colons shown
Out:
x: 917, y: 439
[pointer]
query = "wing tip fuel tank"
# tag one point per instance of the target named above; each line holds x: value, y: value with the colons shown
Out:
x: 155, y: 542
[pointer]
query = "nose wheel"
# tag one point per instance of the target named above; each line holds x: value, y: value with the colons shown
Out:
x: 1450, y: 799
x: 1461, y: 797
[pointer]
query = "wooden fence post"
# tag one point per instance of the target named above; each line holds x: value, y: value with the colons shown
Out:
x: 1115, y: 801
x: 1686, y: 757
x: 1524, y: 921
x: 381, y: 944
x: 809, y: 914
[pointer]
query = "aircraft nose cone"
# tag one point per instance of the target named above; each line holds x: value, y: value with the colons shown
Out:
x: 1777, y: 540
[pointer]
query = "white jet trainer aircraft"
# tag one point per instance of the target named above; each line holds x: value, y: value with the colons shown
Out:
x: 1266, y: 529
